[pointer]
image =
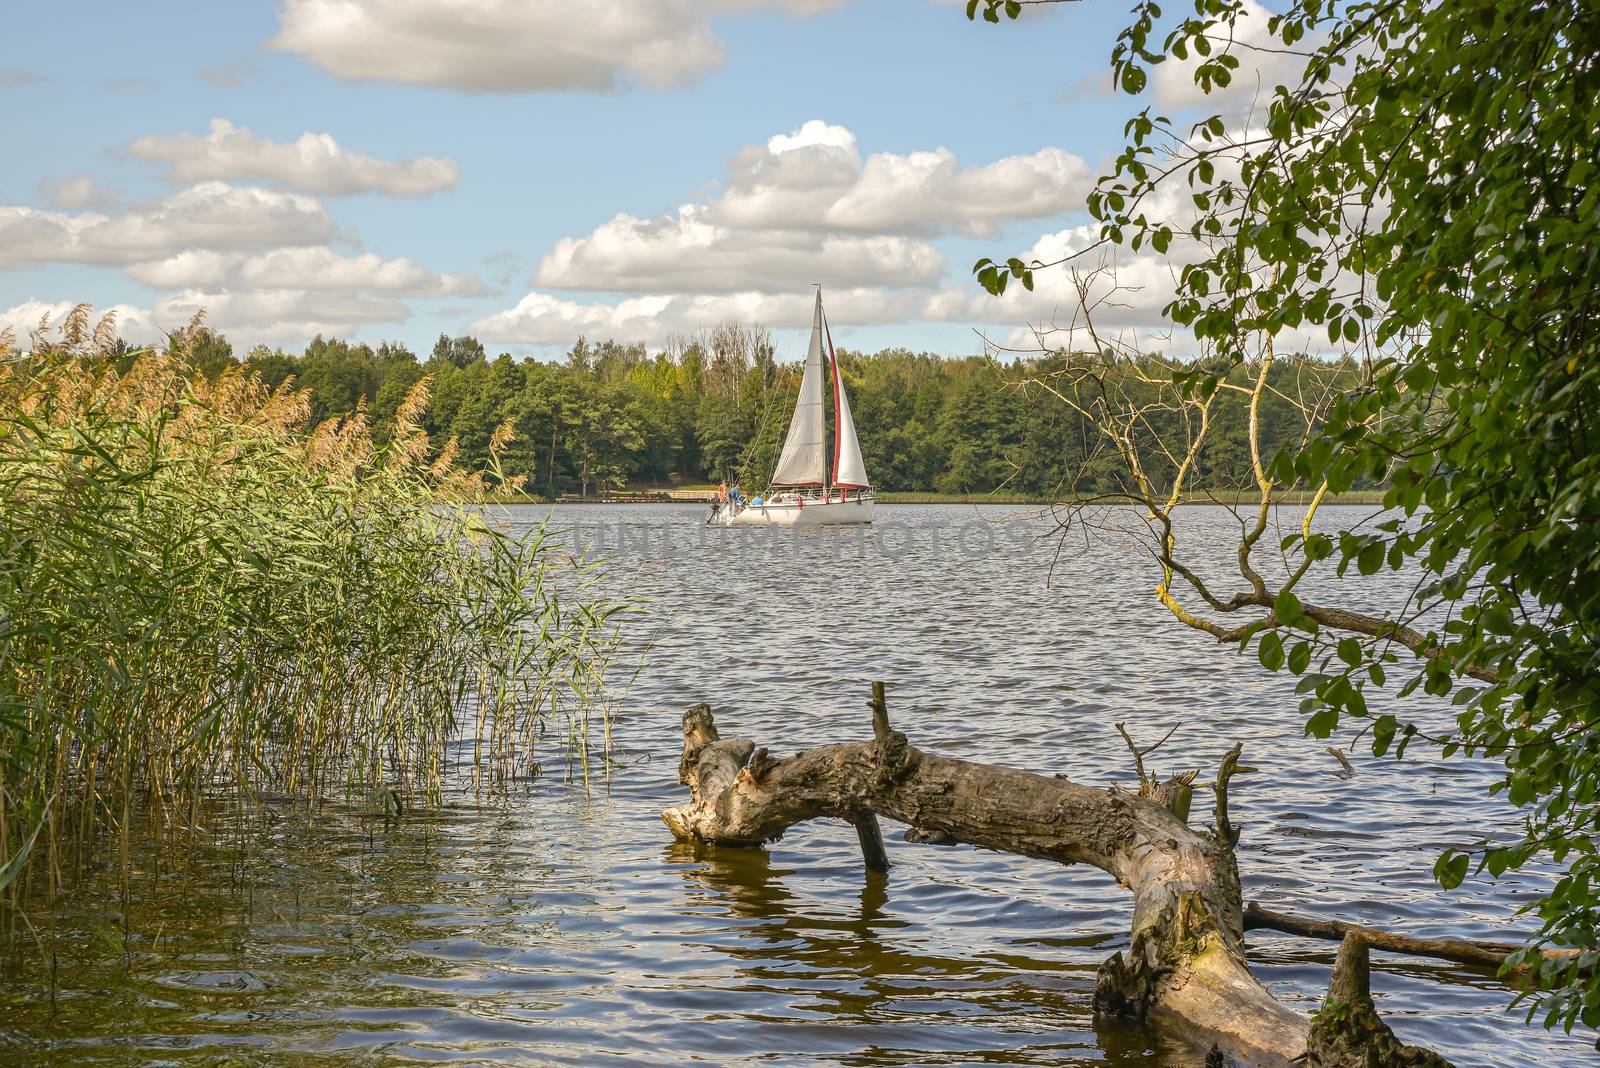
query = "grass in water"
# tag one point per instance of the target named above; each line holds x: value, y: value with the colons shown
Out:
x: 205, y: 599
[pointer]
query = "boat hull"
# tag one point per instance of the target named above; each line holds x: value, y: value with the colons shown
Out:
x: 810, y: 514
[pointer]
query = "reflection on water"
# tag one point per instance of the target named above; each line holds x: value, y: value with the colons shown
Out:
x: 555, y: 928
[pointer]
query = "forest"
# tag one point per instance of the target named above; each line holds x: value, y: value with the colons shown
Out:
x: 610, y: 415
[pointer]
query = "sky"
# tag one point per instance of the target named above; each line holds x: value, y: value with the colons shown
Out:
x: 529, y: 171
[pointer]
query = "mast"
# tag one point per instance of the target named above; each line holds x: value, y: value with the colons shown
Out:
x: 831, y: 471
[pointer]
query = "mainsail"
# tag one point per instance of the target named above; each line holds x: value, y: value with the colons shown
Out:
x: 849, y: 470
x: 804, y: 461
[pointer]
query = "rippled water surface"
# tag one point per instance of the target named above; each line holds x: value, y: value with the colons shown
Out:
x: 567, y: 928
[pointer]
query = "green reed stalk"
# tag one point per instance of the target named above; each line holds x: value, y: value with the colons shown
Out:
x: 203, y: 598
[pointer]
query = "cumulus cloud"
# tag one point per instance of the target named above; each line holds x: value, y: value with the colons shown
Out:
x: 256, y: 260
x: 686, y: 253
x: 211, y: 215
x: 1125, y: 289
x: 281, y: 314
x: 286, y: 315
x: 815, y: 175
x: 805, y: 207
x: 304, y: 268
x: 22, y: 320
x: 77, y: 192
x: 503, y: 45
x: 542, y: 318
x: 1263, y: 64
x: 797, y: 8
x: 313, y: 163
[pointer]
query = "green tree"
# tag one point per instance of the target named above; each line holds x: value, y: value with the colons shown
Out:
x: 1426, y: 193
x: 458, y: 351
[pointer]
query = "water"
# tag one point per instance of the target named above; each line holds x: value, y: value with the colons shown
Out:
x: 564, y: 928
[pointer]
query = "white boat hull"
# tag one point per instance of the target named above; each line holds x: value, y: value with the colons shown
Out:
x: 813, y: 513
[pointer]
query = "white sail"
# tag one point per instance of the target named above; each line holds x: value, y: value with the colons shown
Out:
x: 804, y: 460
x: 849, y: 470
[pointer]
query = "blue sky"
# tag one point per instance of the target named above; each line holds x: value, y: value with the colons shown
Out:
x: 102, y: 98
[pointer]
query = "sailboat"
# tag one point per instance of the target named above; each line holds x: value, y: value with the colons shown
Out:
x: 805, y: 490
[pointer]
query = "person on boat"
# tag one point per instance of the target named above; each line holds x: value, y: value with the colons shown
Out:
x: 722, y: 491
x: 734, y: 495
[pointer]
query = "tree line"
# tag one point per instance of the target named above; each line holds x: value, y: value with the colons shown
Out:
x: 609, y: 415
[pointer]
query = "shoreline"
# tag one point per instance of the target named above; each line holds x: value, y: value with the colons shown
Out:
x: 1223, y: 498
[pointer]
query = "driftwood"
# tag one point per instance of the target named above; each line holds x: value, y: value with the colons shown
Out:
x: 1490, y: 955
x: 1185, y: 965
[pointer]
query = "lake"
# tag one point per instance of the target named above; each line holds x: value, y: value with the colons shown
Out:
x: 566, y: 927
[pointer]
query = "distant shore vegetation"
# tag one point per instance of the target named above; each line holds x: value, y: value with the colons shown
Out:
x: 609, y: 415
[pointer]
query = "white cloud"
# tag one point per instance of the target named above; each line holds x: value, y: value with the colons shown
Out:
x: 282, y: 314
x: 25, y: 318
x: 814, y: 177
x: 254, y: 259
x: 797, y: 8
x: 685, y: 253
x: 285, y: 315
x: 1263, y: 64
x: 503, y: 45
x: 805, y: 207
x: 77, y: 192
x: 1126, y: 289
x: 191, y: 267
x: 313, y: 267
x: 313, y: 163
x: 210, y: 215
x: 1125, y: 292
x: 542, y: 319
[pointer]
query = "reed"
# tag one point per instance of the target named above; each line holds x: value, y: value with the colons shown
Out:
x: 204, y: 599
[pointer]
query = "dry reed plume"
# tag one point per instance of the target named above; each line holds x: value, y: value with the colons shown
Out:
x: 202, y: 599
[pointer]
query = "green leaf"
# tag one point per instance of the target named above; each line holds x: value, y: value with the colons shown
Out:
x: 1383, y: 729
x: 1323, y: 722
x: 1350, y: 651
x: 1269, y: 649
x: 1286, y: 606
x: 1451, y: 869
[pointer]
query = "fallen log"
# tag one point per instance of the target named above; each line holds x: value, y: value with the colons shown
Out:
x: 1185, y: 964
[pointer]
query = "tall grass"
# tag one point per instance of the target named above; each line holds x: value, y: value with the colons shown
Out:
x: 204, y: 598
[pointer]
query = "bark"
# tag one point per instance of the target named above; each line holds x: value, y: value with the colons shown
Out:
x: 1185, y: 965
x: 1347, y: 1032
x: 1460, y: 950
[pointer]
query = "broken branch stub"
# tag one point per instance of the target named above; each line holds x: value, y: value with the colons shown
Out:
x: 1347, y: 1033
